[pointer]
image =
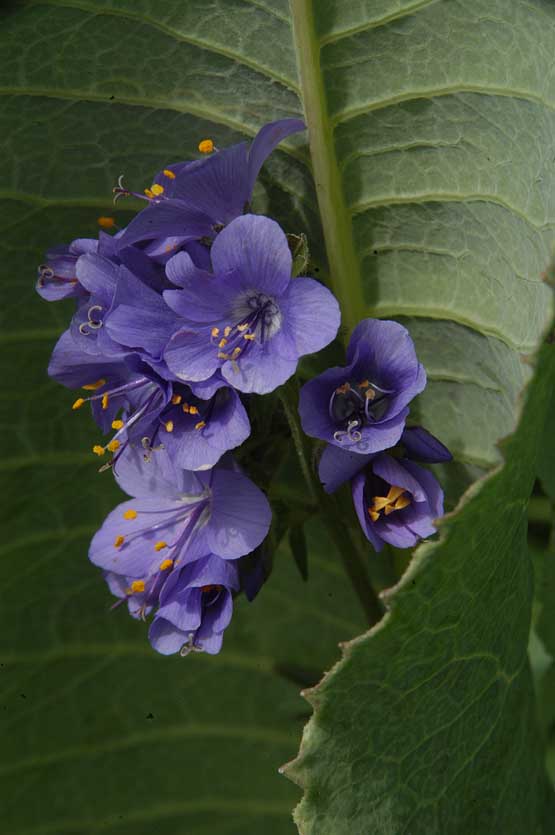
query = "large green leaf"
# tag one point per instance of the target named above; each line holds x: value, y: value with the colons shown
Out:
x: 428, y: 723
x: 431, y: 126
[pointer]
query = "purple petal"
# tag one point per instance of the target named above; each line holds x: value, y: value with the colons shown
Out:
x: 167, y: 218
x: 165, y: 638
x: 207, y: 299
x: 216, y: 185
x: 338, y: 466
x: 430, y: 485
x: 183, y: 272
x: 357, y: 487
x: 314, y: 401
x: 240, y: 516
x: 421, y: 445
x: 263, y: 367
x: 98, y: 275
x: 264, y: 143
x: 192, y: 356
x: 255, y: 247
x: 393, y: 472
x: 159, y: 476
x: 312, y: 315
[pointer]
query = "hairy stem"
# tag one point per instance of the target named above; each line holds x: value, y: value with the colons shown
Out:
x: 332, y: 517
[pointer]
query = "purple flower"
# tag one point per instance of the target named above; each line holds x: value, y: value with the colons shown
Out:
x: 57, y: 277
x: 197, y: 424
x: 192, y: 200
x: 196, y: 604
x: 395, y: 499
x: 250, y: 320
x: 362, y: 407
x: 176, y: 546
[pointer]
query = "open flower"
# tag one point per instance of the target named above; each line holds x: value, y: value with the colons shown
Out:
x: 395, y: 499
x: 250, y: 319
x: 196, y: 605
x: 193, y: 200
x: 362, y: 407
x: 174, y: 547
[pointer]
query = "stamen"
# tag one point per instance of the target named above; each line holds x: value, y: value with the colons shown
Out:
x: 215, y: 332
x: 165, y: 564
x: 222, y: 343
x: 249, y: 336
x: 149, y: 193
x: 243, y: 327
x: 137, y: 586
x: 176, y: 399
x: 206, y: 146
x: 236, y: 352
x: 157, y: 189
x: 117, y: 424
x: 227, y: 330
x: 168, y: 173
x: 364, y: 385
x: 169, y: 426
x: 106, y: 222
x: 370, y: 394
x: 78, y: 403
x: 104, y: 401
x: 200, y: 425
x: 98, y: 450
x: 193, y: 410
x: 119, y: 540
x: 374, y: 515
x: 130, y: 514
x: 160, y: 545
x: 94, y: 386
x: 113, y: 446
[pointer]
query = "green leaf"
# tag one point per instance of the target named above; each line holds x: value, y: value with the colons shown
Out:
x: 427, y: 724
x: 431, y: 151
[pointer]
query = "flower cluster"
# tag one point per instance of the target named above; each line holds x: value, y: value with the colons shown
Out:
x: 179, y: 319
x: 361, y: 410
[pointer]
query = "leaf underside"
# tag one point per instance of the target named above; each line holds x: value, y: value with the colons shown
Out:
x: 440, y: 146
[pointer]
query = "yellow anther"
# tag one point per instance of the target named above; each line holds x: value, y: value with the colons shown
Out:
x: 117, y: 424
x: 364, y: 384
x: 113, y: 446
x: 118, y: 541
x: 137, y: 586
x: 130, y: 514
x: 157, y: 189
x: 374, y: 516
x: 165, y: 564
x: 193, y: 410
x: 98, y: 450
x: 106, y: 222
x: 396, y: 499
x: 176, y: 399
x: 206, y: 146
x: 249, y: 336
x: 186, y: 408
x: 95, y: 386
x: 227, y: 330
x: 168, y: 173
x: 78, y: 403
x: 200, y: 425
x: 215, y: 332
x: 169, y: 426
x: 223, y: 356
x: 343, y: 389
x: 148, y: 192
x: 242, y: 328
x: 160, y: 545
x: 104, y: 401
x: 236, y: 352
x: 222, y: 343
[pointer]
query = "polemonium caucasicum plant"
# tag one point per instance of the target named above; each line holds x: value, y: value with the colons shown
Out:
x: 434, y: 214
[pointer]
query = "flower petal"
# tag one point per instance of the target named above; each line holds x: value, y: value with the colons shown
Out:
x: 240, y: 517
x: 257, y: 248
x: 192, y: 356
x: 338, y: 466
x: 421, y: 445
x: 312, y: 315
x: 263, y: 367
x: 264, y: 143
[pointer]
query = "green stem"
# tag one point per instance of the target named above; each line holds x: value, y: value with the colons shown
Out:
x: 336, y: 219
x: 331, y: 513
